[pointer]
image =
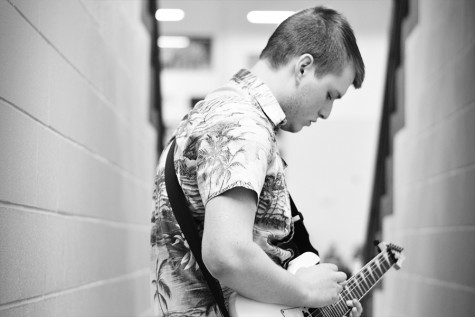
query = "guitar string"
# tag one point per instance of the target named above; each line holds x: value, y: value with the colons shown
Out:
x: 335, y: 310
x: 372, y: 264
x: 330, y: 309
x: 362, y: 273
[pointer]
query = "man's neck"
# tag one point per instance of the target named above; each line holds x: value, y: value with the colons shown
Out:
x: 277, y: 80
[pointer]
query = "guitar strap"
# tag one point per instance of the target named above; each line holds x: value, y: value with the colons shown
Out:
x: 185, y: 220
x: 300, y: 240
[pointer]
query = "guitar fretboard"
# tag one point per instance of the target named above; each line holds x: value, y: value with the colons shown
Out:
x: 360, y: 284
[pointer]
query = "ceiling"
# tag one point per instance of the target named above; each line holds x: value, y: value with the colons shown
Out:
x: 208, y: 17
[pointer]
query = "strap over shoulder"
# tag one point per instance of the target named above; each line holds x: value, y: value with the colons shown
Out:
x: 183, y: 215
x: 301, y: 237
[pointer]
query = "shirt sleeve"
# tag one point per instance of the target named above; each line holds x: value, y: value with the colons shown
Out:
x: 233, y: 153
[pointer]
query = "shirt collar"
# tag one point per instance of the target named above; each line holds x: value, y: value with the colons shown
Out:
x: 262, y: 95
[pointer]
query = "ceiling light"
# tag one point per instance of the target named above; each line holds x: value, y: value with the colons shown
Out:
x: 270, y: 17
x: 173, y: 42
x: 169, y: 14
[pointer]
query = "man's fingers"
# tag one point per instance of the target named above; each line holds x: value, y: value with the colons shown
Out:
x: 339, y: 289
x: 358, y: 306
x: 340, y: 277
x: 330, y: 266
x: 356, y: 309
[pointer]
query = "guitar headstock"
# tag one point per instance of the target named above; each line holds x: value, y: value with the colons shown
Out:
x: 396, y: 257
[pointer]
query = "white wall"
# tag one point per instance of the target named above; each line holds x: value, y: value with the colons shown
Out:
x: 77, y: 156
x: 434, y: 169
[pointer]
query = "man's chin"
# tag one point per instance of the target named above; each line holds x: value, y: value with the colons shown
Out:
x: 292, y: 129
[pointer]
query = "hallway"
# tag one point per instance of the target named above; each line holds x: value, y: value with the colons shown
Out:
x: 83, y: 115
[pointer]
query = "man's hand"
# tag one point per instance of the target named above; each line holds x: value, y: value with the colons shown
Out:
x: 356, y: 309
x: 322, y: 283
x: 231, y: 256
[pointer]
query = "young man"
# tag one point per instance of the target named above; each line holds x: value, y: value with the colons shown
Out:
x: 228, y: 164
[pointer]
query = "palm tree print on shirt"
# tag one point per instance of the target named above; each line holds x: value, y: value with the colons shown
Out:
x: 217, y: 156
x: 162, y: 289
x: 271, y: 211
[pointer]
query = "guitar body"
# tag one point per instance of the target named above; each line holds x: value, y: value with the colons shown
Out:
x: 356, y: 287
x: 240, y: 306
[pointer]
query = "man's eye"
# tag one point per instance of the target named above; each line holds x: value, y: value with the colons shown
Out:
x: 329, y: 96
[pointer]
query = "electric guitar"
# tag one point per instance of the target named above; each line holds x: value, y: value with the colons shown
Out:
x: 356, y: 288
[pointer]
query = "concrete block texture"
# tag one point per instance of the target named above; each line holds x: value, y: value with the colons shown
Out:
x: 43, y: 169
x: 453, y: 90
x: 434, y: 168
x: 444, y: 201
x: 77, y: 158
x: 103, y: 41
x: 444, y: 147
x: 64, y: 98
x: 416, y: 296
x: 127, y: 296
x: 18, y: 156
x: 44, y: 253
x: 439, y: 73
x: 24, y: 64
x: 442, y: 254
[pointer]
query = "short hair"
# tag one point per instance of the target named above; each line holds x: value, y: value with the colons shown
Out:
x: 322, y: 32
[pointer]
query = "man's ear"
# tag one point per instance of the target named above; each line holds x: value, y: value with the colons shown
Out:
x: 303, y: 65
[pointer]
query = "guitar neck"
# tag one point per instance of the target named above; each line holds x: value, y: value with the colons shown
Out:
x: 360, y: 284
x: 363, y: 281
x: 356, y: 287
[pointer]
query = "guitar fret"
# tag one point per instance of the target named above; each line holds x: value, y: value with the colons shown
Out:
x: 366, y: 285
x: 387, y: 261
x: 367, y: 275
x: 357, y: 287
x: 353, y: 290
x: 360, y: 284
x: 327, y: 312
x: 384, y: 267
x: 342, y: 307
x: 377, y: 270
x: 334, y: 312
x: 376, y: 274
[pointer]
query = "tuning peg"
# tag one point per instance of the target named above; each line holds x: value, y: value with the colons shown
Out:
x: 400, y: 259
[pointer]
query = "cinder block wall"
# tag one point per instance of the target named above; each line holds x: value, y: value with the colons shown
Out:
x: 77, y: 154
x: 434, y: 159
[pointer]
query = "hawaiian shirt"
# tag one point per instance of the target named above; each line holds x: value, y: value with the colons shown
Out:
x: 227, y: 140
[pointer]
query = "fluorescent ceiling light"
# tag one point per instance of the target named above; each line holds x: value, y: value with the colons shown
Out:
x: 169, y: 14
x: 270, y: 17
x: 173, y: 42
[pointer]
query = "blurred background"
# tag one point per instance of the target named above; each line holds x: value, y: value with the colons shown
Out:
x: 91, y: 90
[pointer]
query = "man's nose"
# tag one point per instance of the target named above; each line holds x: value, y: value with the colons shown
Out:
x: 326, y: 110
